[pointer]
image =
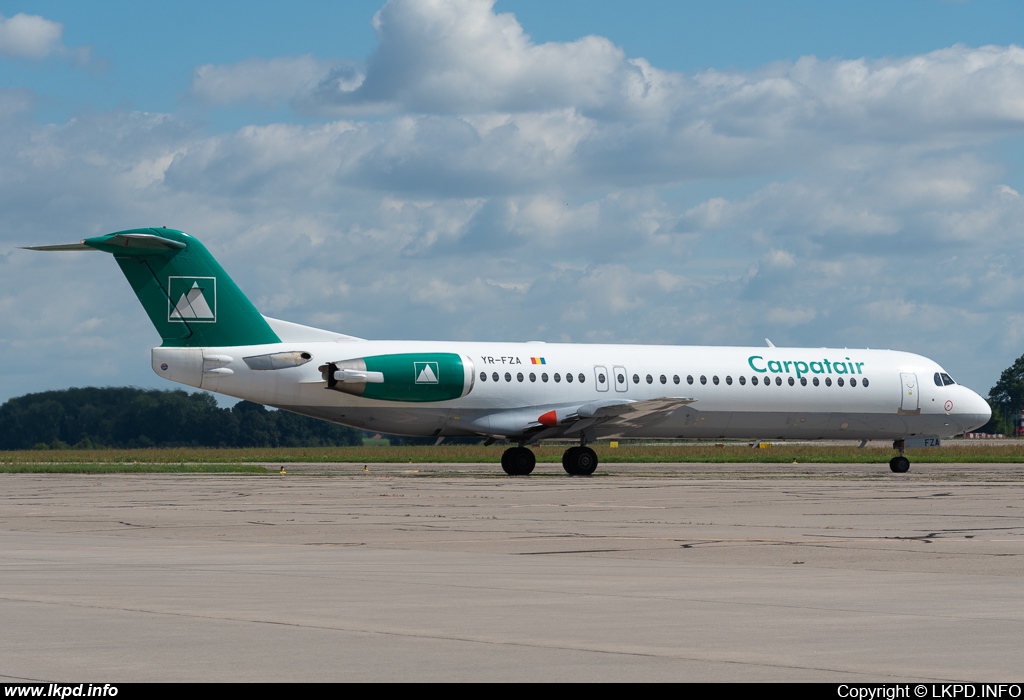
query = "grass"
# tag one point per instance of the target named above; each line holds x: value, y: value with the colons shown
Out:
x: 129, y: 468
x: 242, y: 460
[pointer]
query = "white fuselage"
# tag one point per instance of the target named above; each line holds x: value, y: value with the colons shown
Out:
x: 736, y: 392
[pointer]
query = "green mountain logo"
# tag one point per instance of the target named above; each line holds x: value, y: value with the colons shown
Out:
x: 426, y: 372
x: 192, y: 299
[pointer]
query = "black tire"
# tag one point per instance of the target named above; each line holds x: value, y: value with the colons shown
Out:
x: 900, y: 465
x: 579, y: 461
x: 569, y: 460
x: 518, y: 461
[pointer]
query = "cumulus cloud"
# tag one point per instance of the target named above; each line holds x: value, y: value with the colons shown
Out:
x: 444, y: 57
x: 32, y: 36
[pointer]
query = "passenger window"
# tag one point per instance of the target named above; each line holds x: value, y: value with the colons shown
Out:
x: 650, y: 379
x: 483, y: 376
x: 865, y: 380
x: 815, y: 380
x: 753, y: 380
x: 703, y: 379
x: 508, y: 377
x: 853, y: 382
x: 636, y: 378
x: 675, y: 378
x: 664, y: 379
x: 533, y: 377
x: 778, y: 381
x: 544, y: 377
x: 828, y: 381
x: 803, y: 381
x: 600, y: 379
x: 743, y: 380
x: 494, y: 376
x: 715, y: 379
x: 791, y: 382
x: 519, y: 376
x: 728, y: 380
x: 581, y: 378
x: 839, y: 381
x: 557, y: 378
x: 689, y: 379
x: 621, y: 378
x: 568, y: 377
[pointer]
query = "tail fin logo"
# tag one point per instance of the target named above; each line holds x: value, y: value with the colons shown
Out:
x: 426, y: 372
x: 192, y: 299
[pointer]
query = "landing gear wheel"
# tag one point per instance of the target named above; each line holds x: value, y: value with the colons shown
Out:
x: 579, y: 461
x: 900, y: 464
x: 518, y: 461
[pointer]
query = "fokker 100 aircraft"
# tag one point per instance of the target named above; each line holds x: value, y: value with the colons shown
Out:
x: 215, y: 339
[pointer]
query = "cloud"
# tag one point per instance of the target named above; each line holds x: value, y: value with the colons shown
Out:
x: 458, y: 56
x: 269, y: 82
x: 35, y: 37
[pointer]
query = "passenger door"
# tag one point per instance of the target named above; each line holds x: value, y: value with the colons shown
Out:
x: 910, y: 401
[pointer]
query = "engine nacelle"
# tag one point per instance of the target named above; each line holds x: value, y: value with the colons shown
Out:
x: 414, y: 376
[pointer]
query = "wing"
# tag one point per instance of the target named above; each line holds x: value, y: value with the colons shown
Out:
x: 612, y: 416
x: 639, y: 414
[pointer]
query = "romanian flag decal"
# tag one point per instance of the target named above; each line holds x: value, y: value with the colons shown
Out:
x: 537, y: 361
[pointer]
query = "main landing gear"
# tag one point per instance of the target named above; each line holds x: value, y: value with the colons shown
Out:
x: 577, y: 461
x: 518, y: 461
x: 899, y: 464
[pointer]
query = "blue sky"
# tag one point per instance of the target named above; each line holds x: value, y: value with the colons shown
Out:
x: 840, y: 174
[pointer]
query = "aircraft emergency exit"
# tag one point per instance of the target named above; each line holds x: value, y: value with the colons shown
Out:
x: 215, y: 339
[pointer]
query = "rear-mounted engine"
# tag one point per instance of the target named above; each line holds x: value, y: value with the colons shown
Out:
x: 434, y: 376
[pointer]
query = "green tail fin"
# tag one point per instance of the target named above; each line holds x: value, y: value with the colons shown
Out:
x: 189, y: 298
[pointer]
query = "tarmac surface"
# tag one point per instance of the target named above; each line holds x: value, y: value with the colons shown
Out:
x: 841, y: 573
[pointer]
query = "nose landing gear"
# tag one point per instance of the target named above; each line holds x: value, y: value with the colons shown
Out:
x: 899, y: 464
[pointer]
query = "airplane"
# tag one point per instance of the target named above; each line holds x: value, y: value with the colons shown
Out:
x: 215, y: 339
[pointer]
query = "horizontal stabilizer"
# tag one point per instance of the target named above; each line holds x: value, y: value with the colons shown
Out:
x: 136, y: 242
x: 62, y: 246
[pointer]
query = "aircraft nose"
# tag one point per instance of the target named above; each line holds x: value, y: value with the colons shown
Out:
x: 973, y: 412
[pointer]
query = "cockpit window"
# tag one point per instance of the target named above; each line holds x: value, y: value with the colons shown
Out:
x: 942, y: 379
x: 937, y: 379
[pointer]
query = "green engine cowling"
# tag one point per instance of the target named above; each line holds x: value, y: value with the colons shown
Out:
x: 414, y: 376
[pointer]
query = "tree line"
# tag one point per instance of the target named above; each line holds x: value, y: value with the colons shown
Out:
x: 126, y: 417
x: 1007, y: 400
